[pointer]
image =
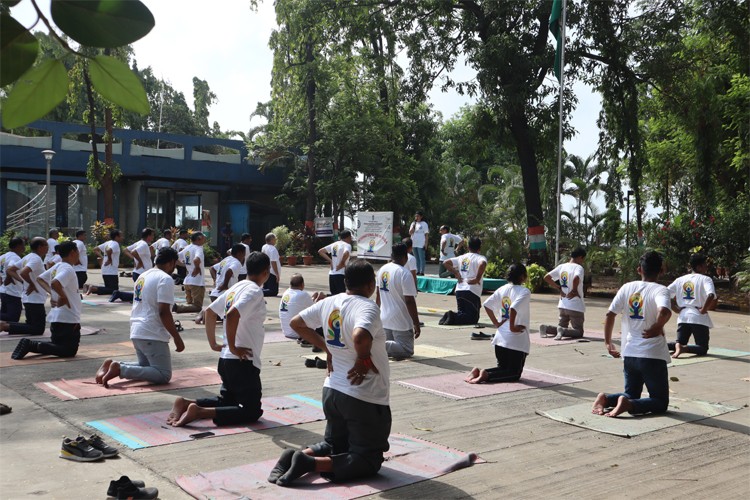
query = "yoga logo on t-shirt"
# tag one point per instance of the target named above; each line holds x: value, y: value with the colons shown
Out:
x: 2, y: 265
x: 230, y: 302
x: 636, y: 306
x: 371, y: 246
x: 138, y: 290
x: 187, y: 257
x: 688, y: 291
x: 52, y: 276
x: 465, y: 265
x: 284, y: 303
x: 505, y: 304
x: 385, y: 279
x: 564, y: 279
x: 334, y: 250
x: 334, y: 329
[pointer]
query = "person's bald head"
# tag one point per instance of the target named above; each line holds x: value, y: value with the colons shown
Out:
x: 297, y: 282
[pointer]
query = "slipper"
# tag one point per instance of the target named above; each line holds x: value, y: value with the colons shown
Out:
x: 179, y: 326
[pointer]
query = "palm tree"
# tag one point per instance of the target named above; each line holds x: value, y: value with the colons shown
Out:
x: 583, y: 180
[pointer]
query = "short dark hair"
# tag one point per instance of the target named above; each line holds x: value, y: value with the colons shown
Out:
x: 651, y: 263
x: 399, y: 251
x: 359, y: 273
x: 80, y: 232
x: 257, y: 263
x: 246, y: 236
x: 578, y: 252
x: 237, y: 249
x: 64, y: 248
x: 183, y: 231
x: 37, y: 242
x: 196, y: 236
x: 516, y: 273
x: 53, y: 231
x: 166, y: 255
x: 296, y: 280
x: 407, y: 242
x: 114, y: 233
x: 418, y: 212
x: 344, y: 234
x: 167, y: 232
x: 15, y: 243
x: 147, y: 231
x: 475, y: 243
x: 697, y: 259
x: 446, y: 228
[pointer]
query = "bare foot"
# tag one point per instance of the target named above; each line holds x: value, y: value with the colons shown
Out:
x: 102, y: 371
x: 599, y: 404
x: 199, y: 320
x: 474, y: 373
x: 623, y: 405
x: 87, y: 289
x: 178, y: 408
x: 4, y: 326
x: 112, y: 372
x: 188, y: 416
x: 482, y: 377
x: 677, y: 350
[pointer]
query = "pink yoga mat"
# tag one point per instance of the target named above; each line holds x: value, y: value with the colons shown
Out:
x: 84, y: 352
x: 86, y: 388
x: 410, y: 460
x: 85, y: 330
x: 143, y: 431
x: 453, y: 385
x: 588, y: 336
x: 274, y: 337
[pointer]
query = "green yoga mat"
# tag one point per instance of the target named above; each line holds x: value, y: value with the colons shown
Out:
x: 442, y: 286
x: 680, y: 411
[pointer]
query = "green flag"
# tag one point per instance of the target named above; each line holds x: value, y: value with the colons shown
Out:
x: 555, y: 26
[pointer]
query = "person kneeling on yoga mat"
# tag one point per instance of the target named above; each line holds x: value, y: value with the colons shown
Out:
x: 511, y: 341
x: 151, y: 326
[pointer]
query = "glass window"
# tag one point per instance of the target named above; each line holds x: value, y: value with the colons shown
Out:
x: 82, y: 209
x: 187, y: 211
x: 25, y: 206
x: 157, y: 209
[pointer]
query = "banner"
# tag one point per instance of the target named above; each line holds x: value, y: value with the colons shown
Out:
x: 324, y: 227
x: 374, y: 235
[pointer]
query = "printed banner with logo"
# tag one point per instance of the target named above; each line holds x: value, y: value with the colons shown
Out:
x: 374, y: 235
x: 324, y: 227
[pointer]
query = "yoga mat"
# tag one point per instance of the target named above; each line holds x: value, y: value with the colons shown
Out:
x: 409, y: 460
x: 431, y: 310
x: 588, y: 336
x: 150, y: 429
x: 475, y: 326
x: 85, y: 330
x: 680, y: 411
x: 86, y: 388
x: 84, y: 352
x: 714, y: 353
x: 421, y: 352
x: 454, y: 386
x: 441, y: 286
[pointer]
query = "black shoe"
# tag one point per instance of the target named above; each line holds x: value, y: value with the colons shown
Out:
x: 5, y: 409
x: 481, y: 336
x: 178, y: 326
x: 305, y: 343
x: 115, y: 295
x: 320, y: 363
x: 98, y: 443
x: 317, y: 349
x: 22, y: 349
x: 123, y: 482
x: 421, y: 324
x: 310, y: 363
x: 131, y: 491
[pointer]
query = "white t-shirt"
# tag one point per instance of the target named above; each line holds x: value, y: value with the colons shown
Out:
x: 179, y: 244
x: 505, y: 298
x: 225, y: 301
x: 188, y: 256
x: 228, y: 264
x: 247, y: 256
x: 152, y: 288
x: 339, y: 316
x: 251, y: 305
x: 113, y: 268
x: 419, y: 236
x: 394, y: 283
x: 638, y: 302
x: 33, y: 262
x: 51, y: 244
x: 273, y: 254
x: 468, y: 266
x: 292, y: 303
x: 411, y: 263
x: 15, y: 289
x: 144, y: 252
x: 338, y: 250
x: 160, y: 243
x: 66, y: 276
x: 451, y: 242
x: 691, y: 292
x: 83, y: 257
x: 565, y: 274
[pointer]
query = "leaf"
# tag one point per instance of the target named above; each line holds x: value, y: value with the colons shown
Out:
x: 35, y: 94
x: 18, y: 50
x: 103, y: 23
x: 116, y: 83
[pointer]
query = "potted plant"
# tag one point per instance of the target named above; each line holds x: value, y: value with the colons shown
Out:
x: 291, y: 260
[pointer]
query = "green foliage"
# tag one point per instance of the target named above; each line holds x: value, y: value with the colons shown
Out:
x: 210, y: 254
x: 18, y: 49
x: 116, y: 83
x: 37, y: 92
x: 283, y: 238
x: 742, y: 277
x: 94, y: 178
x: 535, y: 280
x: 103, y: 23
x: 5, y: 241
x: 100, y: 231
x: 495, y: 269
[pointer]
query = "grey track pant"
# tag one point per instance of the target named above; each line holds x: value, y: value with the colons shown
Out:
x: 154, y: 362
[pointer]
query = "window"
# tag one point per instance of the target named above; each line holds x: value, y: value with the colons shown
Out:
x: 157, y: 209
x: 187, y: 211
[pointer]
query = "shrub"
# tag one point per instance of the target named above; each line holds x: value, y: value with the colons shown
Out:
x: 495, y: 269
x: 283, y: 238
x: 535, y: 281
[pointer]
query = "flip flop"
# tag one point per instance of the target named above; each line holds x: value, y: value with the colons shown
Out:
x: 179, y: 326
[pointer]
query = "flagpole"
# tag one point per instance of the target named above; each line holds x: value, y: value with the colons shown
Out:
x: 560, y: 133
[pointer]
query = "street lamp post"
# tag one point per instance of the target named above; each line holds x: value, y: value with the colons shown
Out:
x: 48, y: 155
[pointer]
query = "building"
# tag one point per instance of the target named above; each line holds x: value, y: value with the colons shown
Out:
x: 167, y: 180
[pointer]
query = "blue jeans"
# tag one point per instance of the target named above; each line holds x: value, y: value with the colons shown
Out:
x: 419, y: 255
x: 652, y: 373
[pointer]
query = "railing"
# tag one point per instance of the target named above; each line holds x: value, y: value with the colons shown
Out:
x: 30, y: 213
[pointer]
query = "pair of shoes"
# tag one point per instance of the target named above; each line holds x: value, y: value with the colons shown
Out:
x: 481, y: 336
x: 81, y: 449
x: 22, y: 349
x: 316, y: 363
x: 115, y: 296
x: 127, y: 488
x: 178, y: 326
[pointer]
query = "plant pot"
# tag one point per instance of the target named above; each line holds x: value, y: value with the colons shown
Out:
x: 283, y: 260
x: 307, y: 260
x: 291, y: 260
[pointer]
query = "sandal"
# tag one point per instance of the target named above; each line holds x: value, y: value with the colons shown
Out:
x: 179, y: 326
